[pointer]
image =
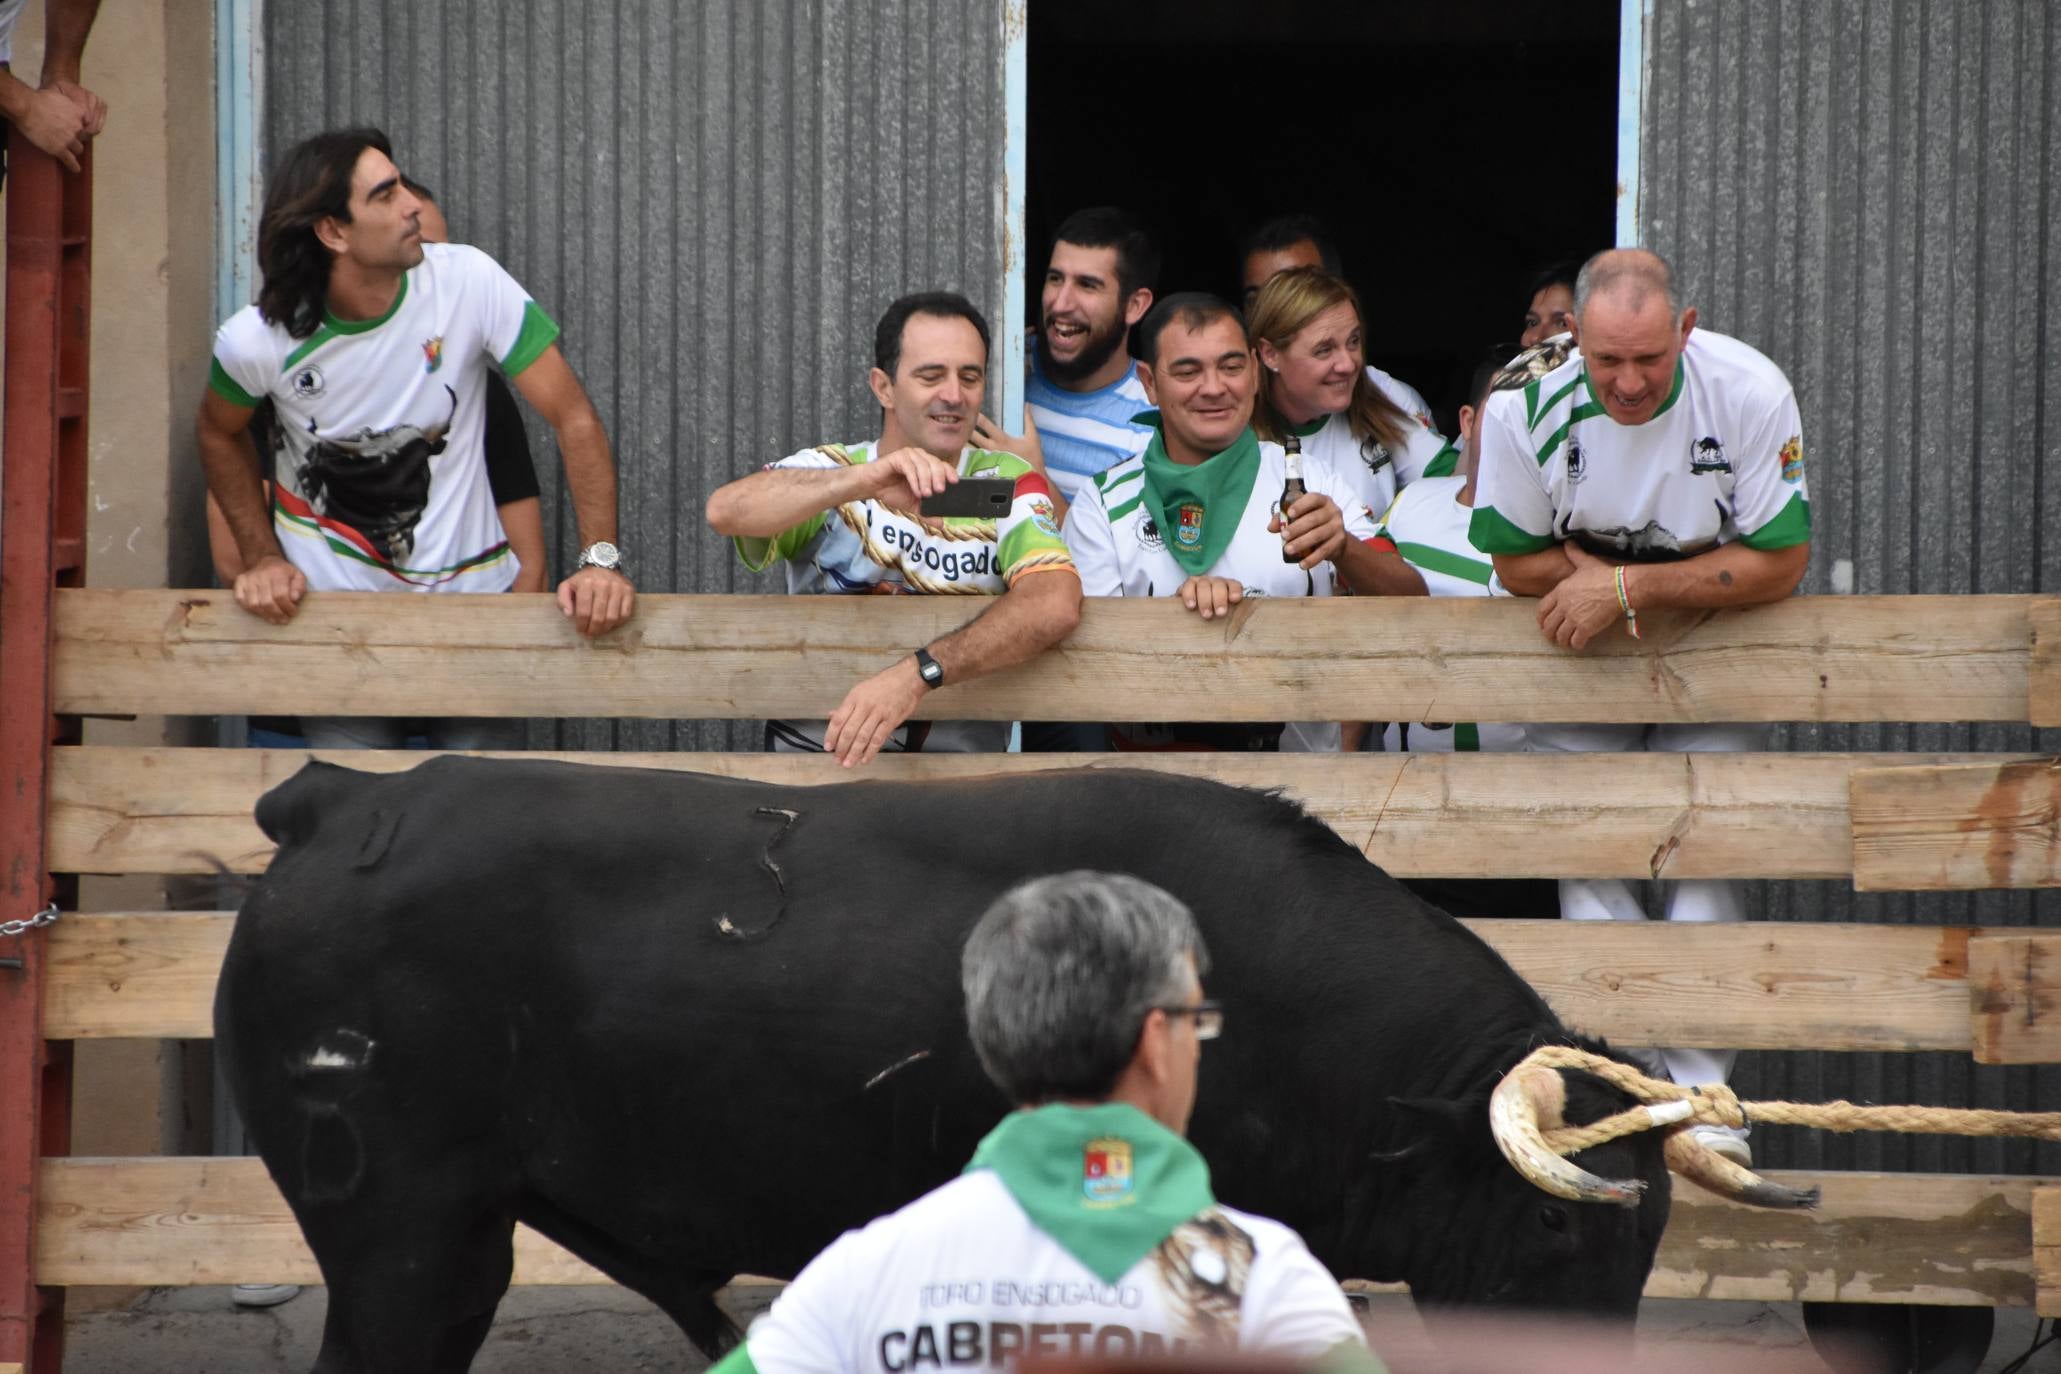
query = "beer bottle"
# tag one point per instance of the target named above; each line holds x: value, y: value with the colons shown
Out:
x: 1291, y: 491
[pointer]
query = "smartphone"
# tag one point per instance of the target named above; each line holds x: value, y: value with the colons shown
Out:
x: 982, y: 498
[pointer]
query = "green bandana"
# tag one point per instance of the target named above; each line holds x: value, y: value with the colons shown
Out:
x: 1107, y: 1182
x: 1198, y: 508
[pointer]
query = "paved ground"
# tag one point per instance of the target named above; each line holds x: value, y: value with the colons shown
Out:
x: 611, y: 1331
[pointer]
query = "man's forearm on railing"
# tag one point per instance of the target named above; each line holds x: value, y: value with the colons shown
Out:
x: 1533, y: 574
x: 1041, y: 609
x: 233, y: 479
x: 1729, y: 575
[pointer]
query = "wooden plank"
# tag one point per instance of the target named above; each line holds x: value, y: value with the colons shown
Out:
x: 1975, y: 823
x: 1759, y: 985
x: 1892, y: 658
x: 1946, y: 1239
x: 142, y: 975
x: 2014, y: 983
x: 1756, y: 986
x: 117, y: 810
x: 2043, y: 686
x: 2046, y: 1251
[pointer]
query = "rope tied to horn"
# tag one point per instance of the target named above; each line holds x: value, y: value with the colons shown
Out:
x: 1714, y: 1104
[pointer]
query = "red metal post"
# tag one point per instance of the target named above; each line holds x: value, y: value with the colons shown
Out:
x: 42, y: 547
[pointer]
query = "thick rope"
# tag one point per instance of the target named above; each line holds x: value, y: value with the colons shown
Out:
x: 1714, y: 1104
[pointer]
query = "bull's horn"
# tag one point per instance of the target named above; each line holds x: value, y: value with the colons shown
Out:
x: 1706, y: 1168
x: 1526, y: 1098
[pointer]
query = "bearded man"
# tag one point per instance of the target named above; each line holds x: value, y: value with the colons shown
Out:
x: 1083, y: 390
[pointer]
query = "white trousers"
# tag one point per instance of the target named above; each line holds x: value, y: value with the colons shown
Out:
x: 1682, y: 899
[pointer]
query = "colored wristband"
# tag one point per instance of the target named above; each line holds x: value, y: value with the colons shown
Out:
x: 1631, y: 617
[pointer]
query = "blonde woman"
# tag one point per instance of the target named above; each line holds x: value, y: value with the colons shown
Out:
x: 1315, y: 383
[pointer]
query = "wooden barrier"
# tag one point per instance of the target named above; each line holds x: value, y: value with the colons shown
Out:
x: 1893, y: 658
x: 1884, y: 820
x: 1417, y: 815
x: 1949, y: 1239
x: 1771, y: 985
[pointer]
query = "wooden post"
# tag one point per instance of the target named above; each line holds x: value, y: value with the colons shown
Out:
x: 42, y: 547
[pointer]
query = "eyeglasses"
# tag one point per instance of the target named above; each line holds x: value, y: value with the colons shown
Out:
x: 1209, y: 1017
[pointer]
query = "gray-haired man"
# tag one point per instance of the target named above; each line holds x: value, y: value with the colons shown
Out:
x: 1084, y: 1225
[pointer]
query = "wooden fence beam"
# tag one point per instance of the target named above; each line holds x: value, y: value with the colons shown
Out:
x: 1976, y: 823
x: 2043, y: 688
x: 1762, y: 985
x: 2015, y: 982
x: 116, y: 810
x: 1890, y: 658
x: 1947, y: 1239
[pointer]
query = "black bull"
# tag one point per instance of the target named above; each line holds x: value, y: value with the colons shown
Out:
x: 690, y: 1027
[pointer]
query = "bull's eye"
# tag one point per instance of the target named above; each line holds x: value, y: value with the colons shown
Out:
x: 1552, y: 1217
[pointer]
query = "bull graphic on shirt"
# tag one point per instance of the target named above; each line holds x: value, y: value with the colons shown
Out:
x: 375, y: 481
x: 1651, y: 542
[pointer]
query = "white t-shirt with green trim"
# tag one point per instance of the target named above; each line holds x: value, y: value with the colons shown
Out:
x: 1120, y: 551
x: 1376, y: 472
x: 963, y: 1277
x: 1427, y: 524
x: 1721, y: 460
x: 380, y: 479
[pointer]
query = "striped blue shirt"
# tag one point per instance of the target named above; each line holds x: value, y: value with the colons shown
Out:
x: 1084, y: 432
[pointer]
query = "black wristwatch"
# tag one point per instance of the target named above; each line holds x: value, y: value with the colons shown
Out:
x: 929, y: 669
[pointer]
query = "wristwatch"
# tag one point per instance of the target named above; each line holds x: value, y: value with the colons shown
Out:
x: 603, y: 555
x: 929, y: 669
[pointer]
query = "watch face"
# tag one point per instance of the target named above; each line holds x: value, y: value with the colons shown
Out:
x: 601, y: 555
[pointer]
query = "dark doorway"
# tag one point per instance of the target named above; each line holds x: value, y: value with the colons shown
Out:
x: 1453, y: 148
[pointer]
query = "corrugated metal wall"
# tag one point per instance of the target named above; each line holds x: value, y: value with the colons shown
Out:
x: 715, y: 200
x: 1870, y: 192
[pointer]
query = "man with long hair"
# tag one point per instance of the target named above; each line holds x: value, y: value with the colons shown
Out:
x: 374, y: 349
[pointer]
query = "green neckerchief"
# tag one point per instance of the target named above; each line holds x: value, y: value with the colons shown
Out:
x: 1198, y: 508
x: 1107, y: 1182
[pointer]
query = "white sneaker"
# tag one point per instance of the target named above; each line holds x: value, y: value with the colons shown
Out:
x: 263, y: 1294
x: 1729, y: 1141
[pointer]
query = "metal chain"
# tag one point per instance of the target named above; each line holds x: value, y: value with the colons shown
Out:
x: 46, y: 917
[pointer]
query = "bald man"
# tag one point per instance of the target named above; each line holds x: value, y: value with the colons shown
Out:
x: 1643, y: 464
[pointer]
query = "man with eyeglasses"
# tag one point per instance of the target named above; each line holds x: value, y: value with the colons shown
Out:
x: 1084, y: 1224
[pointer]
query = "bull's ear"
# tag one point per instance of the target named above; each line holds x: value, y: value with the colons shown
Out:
x: 1437, y: 1123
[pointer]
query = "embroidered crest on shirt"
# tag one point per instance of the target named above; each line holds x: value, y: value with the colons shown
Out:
x: 432, y: 354
x: 1106, y: 1171
x: 1148, y: 534
x: 1189, y: 535
x: 1792, y: 460
x: 308, y: 383
x: 1708, y: 456
x: 1577, y: 462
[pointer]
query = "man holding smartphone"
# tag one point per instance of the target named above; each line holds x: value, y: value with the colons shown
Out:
x: 884, y: 518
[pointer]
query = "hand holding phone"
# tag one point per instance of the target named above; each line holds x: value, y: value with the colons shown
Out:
x: 981, y: 498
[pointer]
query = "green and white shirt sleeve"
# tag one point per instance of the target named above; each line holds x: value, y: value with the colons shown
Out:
x: 515, y: 328
x: 1513, y: 511
x: 1027, y: 540
x: 245, y: 360
x: 1092, y: 540
x: 1771, y: 505
x: 759, y: 553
